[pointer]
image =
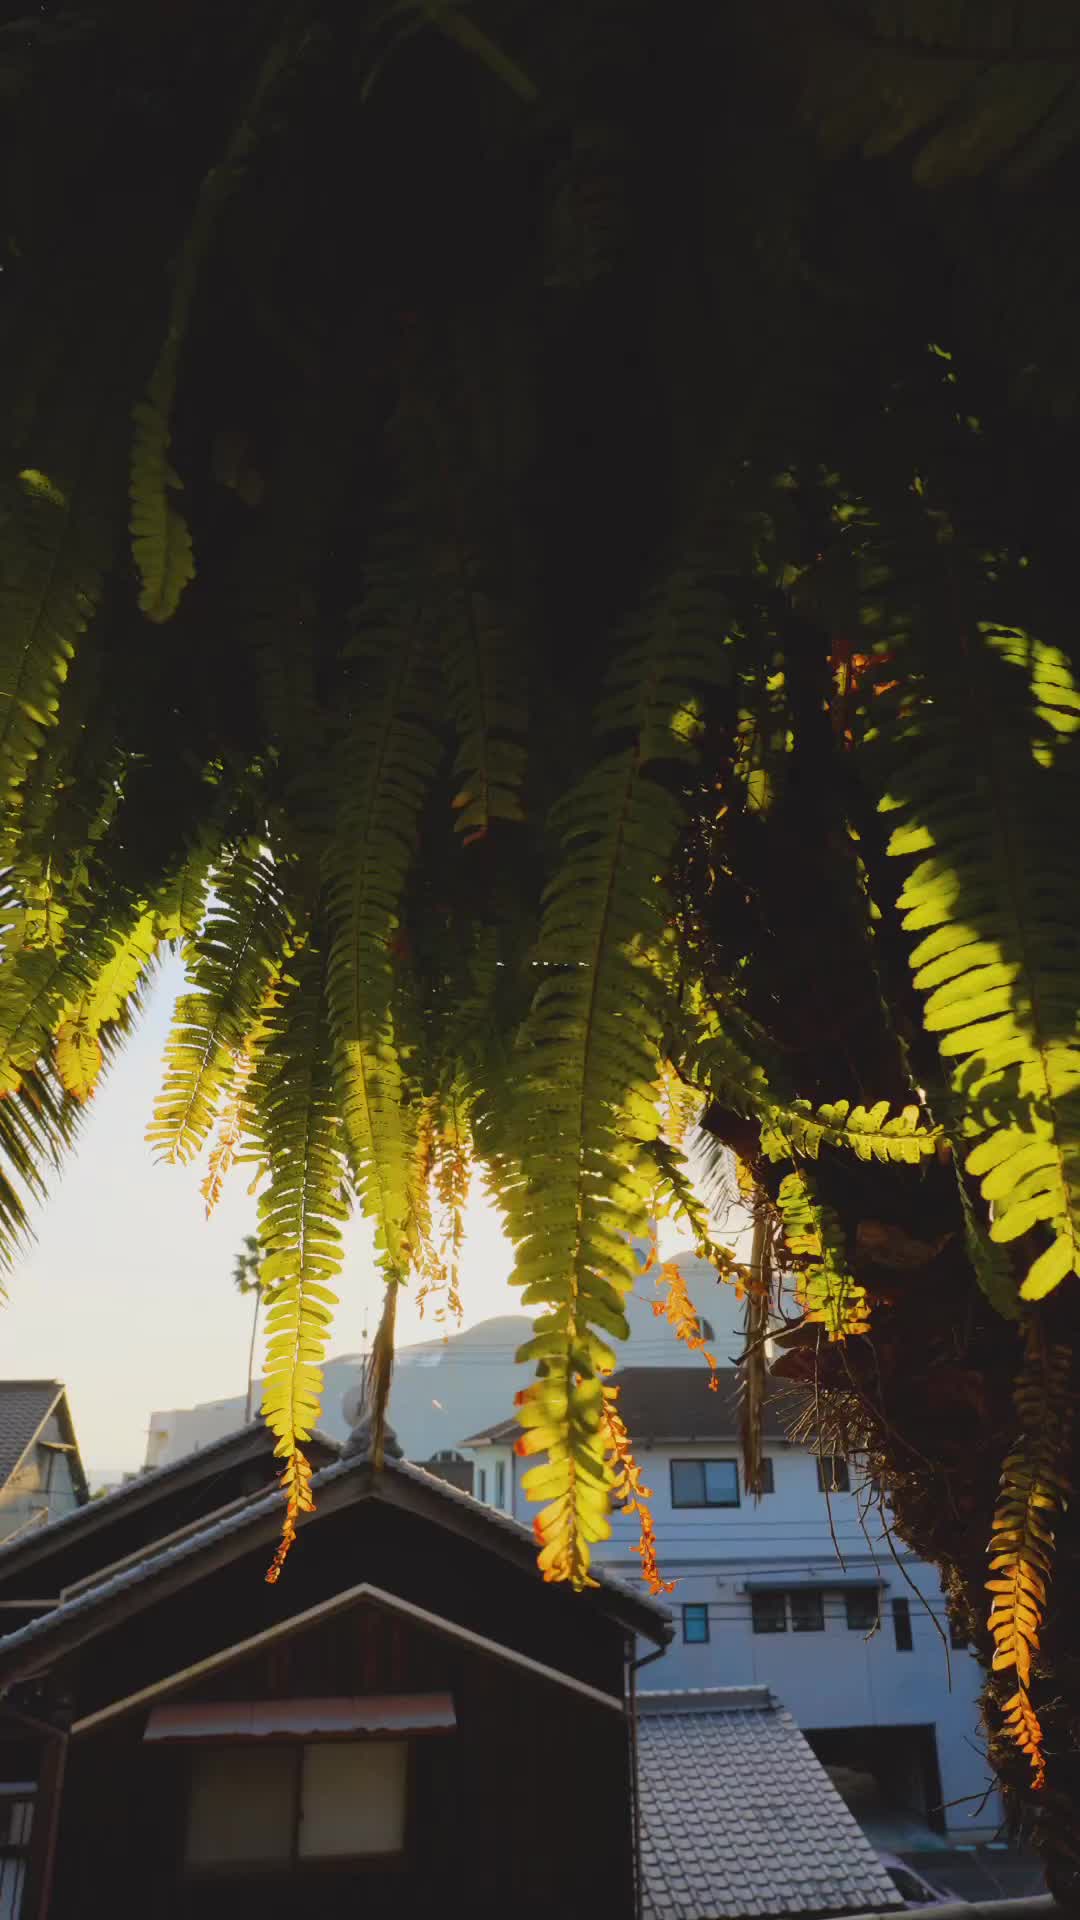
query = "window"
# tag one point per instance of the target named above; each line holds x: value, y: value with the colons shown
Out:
x: 807, y: 1610
x: 481, y: 1483
x: 958, y: 1639
x: 16, y: 1820
x: 264, y: 1806
x: 768, y: 1612
x: 901, y: 1620
x: 500, y: 1483
x: 695, y: 1624
x: 705, y: 1330
x: 832, y: 1474
x: 862, y: 1609
x: 704, y: 1483
x: 768, y: 1483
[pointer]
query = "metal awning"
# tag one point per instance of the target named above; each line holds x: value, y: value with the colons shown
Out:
x: 371, y: 1715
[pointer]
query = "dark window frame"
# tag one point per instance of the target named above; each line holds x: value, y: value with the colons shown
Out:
x: 500, y: 1483
x: 802, y: 1600
x: 759, y: 1604
x: 857, y: 1600
x: 700, y: 1610
x: 901, y: 1619
x: 703, y: 1461
x: 839, y: 1479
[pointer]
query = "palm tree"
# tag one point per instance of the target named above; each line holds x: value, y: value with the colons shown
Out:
x: 246, y: 1280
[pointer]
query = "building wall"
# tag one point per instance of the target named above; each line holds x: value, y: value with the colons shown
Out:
x: 837, y: 1677
x: 42, y: 1488
x: 458, y: 1383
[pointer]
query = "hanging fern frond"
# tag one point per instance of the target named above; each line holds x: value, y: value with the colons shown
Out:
x: 865, y: 1131
x: 993, y: 960
x: 629, y: 1492
x: 37, y: 985
x: 239, y: 949
x: 160, y: 536
x: 826, y: 1290
x: 79, y: 1055
x: 1034, y: 1491
x: 481, y: 662
x: 300, y: 1218
x: 53, y: 552
x: 589, y: 1111
x: 389, y: 759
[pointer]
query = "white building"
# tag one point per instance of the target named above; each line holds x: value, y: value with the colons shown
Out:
x: 454, y: 1383
x: 801, y: 1593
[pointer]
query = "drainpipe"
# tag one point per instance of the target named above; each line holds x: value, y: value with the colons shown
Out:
x: 634, y: 1667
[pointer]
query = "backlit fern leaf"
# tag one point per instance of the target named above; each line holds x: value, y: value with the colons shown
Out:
x: 480, y: 660
x: 51, y: 558
x: 38, y: 985
x: 826, y: 1289
x: 867, y: 1132
x: 589, y: 1108
x: 238, y: 950
x: 389, y: 758
x: 300, y: 1218
x: 988, y: 795
x: 79, y: 1056
x: 1034, y: 1491
x: 161, y: 539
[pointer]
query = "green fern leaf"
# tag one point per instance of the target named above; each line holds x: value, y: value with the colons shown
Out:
x: 589, y: 1111
x: 300, y: 1214
x: 389, y: 759
x: 161, y: 540
x: 51, y: 559
x: 826, y: 1290
x: 989, y: 899
x: 238, y: 951
x: 480, y: 660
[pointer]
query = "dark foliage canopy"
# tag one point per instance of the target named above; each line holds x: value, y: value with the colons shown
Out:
x: 536, y: 546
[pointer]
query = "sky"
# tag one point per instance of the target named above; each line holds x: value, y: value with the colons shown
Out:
x: 127, y: 1294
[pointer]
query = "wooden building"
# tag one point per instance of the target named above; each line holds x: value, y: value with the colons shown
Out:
x: 409, y: 1719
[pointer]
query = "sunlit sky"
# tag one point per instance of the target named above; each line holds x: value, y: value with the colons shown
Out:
x: 127, y: 1295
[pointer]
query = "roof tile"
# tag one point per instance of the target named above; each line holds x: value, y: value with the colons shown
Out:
x: 740, y: 1819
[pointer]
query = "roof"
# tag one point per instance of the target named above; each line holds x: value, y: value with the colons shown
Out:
x: 25, y: 1405
x: 739, y: 1817
x: 93, y: 1608
x: 676, y: 1403
x: 141, y: 1490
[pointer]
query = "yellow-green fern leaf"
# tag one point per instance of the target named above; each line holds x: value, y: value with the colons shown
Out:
x: 389, y: 758
x: 51, y: 556
x: 239, y: 949
x: 868, y: 1132
x: 988, y: 806
x: 827, y: 1291
x: 161, y: 540
x: 300, y: 1214
x: 79, y: 1056
x: 588, y: 1113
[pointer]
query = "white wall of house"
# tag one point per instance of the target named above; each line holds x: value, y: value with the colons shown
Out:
x: 838, y: 1676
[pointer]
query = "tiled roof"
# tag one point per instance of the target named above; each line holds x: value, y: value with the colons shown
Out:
x: 140, y: 1486
x: 739, y: 1818
x: 25, y: 1405
x: 135, y: 1573
x: 677, y: 1403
